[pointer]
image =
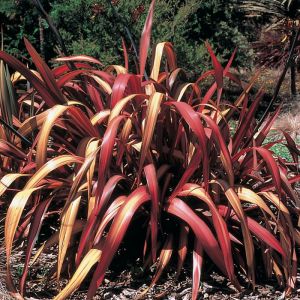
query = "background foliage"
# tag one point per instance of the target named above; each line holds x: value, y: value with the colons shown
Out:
x: 90, y: 27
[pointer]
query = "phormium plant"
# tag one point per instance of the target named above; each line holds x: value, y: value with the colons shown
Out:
x: 98, y: 147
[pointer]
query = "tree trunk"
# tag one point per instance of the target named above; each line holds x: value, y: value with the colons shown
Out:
x: 293, y: 70
x: 293, y: 80
x: 42, y: 39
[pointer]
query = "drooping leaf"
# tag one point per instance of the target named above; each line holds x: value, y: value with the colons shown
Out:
x: 116, y: 234
x: 152, y: 112
x: 152, y: 184
x: 12, y: 220
x: 42, y: 143
x: 45, y: 73
x: 219, y: 225
x: 161, y: 48
x: 97, y: 213
x: 66, y: 229
x: 236, y: 205
x: 87, y: 263
x: 79, y: 58
x: 106, y: 152
x: 35, y: 227
x: 202, y: 232
x: 193, y: 120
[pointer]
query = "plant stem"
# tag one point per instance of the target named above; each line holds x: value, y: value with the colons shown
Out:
x: 280, y: 80
x: 42, y: 39
x: 49, y: 20
x: 293, y: 69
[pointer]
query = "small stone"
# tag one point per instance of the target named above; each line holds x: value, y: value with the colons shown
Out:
x: 186, y: 297
x: 207, y: 288
x: 128, y: 292
x: 108, y: 295
x: 281, y: 297
x: 185, y: 291
x: 205, y: 296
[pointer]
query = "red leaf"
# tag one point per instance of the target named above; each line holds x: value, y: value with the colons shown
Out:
x: 189, y: 171
x: 125, y: 54
x: 295, y: 152
x: 197, y: 268
x: 10, y: 150
x: 145, y: 38
x: 34, y: 80
x: 95, y: 97
x: 80, y: 58
x: 154, y: 193
x: 35, y: 227
x: 68, y: 77
x: 213, y: 88
x: 221, y: 143
x: 45, y: 72
x: 109, y: 215
x: 217, y: 66
x: 82, y: 122
x: 164, y: 258
x: 60, y: 70
x: 219, y: 225
x: 267, y: 126
x: 202, y: 232
x: 125, y: 84
x: 218, y: 71
x: 107, y: 192
x: 182, y: 248
x: 116, y: 234
x: 97, y: 214
x: 106, y: 152
x: 246, y: 122
x: 272, y: 166
x: 262, y: 233
x: 193, y: 120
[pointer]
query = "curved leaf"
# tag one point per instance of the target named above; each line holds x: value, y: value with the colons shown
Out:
x: 202, y: 232
x: 152, y: 184
x: 116, y: 234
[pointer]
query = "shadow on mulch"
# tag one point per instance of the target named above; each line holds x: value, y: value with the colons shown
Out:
x: 129, y: 283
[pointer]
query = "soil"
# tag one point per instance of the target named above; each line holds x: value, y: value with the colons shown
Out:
x: 130, y: 282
